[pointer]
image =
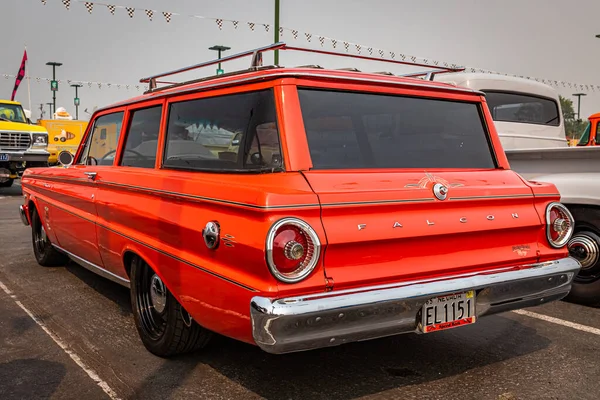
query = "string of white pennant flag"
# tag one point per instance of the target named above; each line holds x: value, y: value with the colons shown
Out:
x: 322, y: 40
x: 90, y: 85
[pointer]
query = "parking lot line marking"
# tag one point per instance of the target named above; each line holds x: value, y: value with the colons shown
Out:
x: 579, y: 327
x: 91, y: 373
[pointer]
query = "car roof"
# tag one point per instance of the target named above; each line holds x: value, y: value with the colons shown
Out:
x: 485, y: 81
x: 10, y: 102
x: 594, y: 116
x: 270, y: 73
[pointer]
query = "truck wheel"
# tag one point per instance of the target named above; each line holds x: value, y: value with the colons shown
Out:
x: 165, y: 327
x: 585, y: 247
x: 45, y: 254
x: 7, y: 183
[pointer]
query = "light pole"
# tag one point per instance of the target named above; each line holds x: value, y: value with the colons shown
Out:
x: 50, y: 107
x: 76, y: 100
x: 578, y: 95
x: 54, y: 83
x: 276, y: 56
x: 219, y: 48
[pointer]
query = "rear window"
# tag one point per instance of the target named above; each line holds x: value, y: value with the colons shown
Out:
x: 513, y: 107
x: 348, y: 130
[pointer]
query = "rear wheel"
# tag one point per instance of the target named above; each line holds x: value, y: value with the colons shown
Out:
x: 165, y: 327
x: 585, y: 247
x: 45, y: 254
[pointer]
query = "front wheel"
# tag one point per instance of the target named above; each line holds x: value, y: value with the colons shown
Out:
x: 7, y: 183
x: 45, y: 254
x: 165, y: 327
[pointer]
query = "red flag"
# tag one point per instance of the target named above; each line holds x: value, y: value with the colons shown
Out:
x: 20, y: 76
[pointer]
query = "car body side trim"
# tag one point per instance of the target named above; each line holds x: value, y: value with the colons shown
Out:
x: 179, y: 259
x: 159, y: 251
x: 184, y: 196
x: 166, y: 193
x: 93, y: 267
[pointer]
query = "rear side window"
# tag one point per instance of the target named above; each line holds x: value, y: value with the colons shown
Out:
x: 226, y: 133
x: 101, y: 144
x: 348, y: 130
x: 514, y: 107
x: 142, y: 138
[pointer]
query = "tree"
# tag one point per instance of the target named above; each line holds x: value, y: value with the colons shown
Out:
x: 573, y: 127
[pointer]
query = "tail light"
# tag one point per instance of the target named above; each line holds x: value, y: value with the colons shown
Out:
x: 560, y: 225
x: 293, y: 249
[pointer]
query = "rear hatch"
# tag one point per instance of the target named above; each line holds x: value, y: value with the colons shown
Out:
x: 389, y: 226
x: 376, y: 159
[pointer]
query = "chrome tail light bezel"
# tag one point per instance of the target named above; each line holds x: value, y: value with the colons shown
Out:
x: 564, y: 240
x: 305, y: 271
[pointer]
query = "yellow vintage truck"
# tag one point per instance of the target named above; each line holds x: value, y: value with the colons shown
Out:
x: 22, y: 144
x: 64, y: 134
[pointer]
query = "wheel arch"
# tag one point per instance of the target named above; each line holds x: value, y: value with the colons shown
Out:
x: 131, y: 252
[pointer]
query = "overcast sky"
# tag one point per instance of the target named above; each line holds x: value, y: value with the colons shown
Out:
x: 543, y: 38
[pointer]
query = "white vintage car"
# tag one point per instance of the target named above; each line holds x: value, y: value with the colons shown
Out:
x: 529, y: 121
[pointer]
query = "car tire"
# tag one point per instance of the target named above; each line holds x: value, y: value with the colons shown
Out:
x: 164, y: 326
x: 585, y: 247
x: 45, y: 254
x: 8, y: 183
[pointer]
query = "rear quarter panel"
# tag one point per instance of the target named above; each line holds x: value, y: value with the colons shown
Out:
x: 160, y: 215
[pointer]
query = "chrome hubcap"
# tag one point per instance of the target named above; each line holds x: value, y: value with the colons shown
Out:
x: 158, y: 294
x: 585, y: 250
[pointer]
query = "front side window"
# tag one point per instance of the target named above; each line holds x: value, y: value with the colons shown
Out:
x: 101, y: 144
x: 597, y: 132
x: 513, y: 107
x: 142, y: 138
x: 233, y: 132
x: 347, y: 130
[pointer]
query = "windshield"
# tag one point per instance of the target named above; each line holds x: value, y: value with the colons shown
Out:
x: 12, y: 112
x: 348, y: 130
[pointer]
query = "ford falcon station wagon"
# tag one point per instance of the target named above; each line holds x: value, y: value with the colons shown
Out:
x: 299, y: 208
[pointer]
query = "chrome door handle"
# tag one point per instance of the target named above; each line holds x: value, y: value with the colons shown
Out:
x: 91, y: 175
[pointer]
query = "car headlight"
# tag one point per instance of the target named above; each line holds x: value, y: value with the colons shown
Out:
x: 40, y: 139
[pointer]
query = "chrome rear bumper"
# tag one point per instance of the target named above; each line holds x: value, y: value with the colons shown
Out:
x: 334, y: 318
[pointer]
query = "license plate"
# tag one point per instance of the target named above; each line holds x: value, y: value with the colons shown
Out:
x: 447, y: 312
x: 3, y: 157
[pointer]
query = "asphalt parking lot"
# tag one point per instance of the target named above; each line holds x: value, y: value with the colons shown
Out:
x: 69, y: 334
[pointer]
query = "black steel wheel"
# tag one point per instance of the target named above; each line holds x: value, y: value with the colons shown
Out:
x: 165, y: 327
x: 45, y: 254
x: 7, y: 183
x: 584, y: 246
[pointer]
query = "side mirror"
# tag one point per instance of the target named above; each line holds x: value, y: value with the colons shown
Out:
x: 65, y: 158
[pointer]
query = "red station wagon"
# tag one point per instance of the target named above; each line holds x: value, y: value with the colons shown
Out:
x: 299, y: 208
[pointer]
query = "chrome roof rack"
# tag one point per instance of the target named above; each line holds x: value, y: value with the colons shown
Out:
x: 349, y: 69
x: 384, y: 73
x: 257, y: 64
x: 429, y: 75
